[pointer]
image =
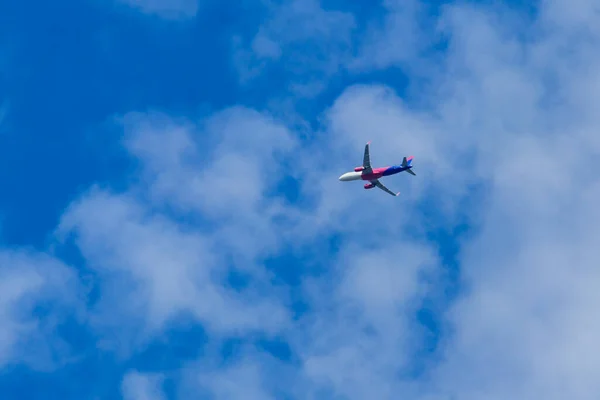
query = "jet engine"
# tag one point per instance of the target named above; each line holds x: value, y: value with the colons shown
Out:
x: 369, y: 186
x: 358, y: 169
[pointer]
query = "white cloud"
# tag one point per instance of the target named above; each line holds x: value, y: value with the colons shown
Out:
x: 309, y: 40
x: 315, y: 42
x: 163, y: 248
x: 524, y: 326
x: 372, y: 288
x: 31, y: 284
x: 362, y: 335
x: 155, y: 267
x: 517, y: 117
x: 251, y: 375
x: 139, y: 386
x: 398, y: 41
x: 524, y: 329
x: 168, y: 9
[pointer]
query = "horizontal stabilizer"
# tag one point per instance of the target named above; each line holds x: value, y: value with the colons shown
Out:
x: 407, y: 163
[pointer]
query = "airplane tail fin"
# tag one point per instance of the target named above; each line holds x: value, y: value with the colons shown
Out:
x: 407, y: 162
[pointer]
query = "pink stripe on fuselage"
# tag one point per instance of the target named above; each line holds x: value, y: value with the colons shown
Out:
x: 376, y: 174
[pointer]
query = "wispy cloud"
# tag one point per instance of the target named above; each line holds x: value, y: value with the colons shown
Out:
x: 307, y: 40
x: 193, y: 234
x: 520, y: 331
x: 168, y: 9
x: 165, y: 249
x: 398, y: 41
x: 4, y: 107
x: 137, y: 386
x: 30, y: 283
x: 158, y: 268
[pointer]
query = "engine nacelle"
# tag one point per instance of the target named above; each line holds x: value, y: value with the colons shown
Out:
x: 358, y: 169
x: 369, y: 186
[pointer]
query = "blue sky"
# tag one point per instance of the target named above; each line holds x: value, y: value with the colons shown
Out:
x: 173, y: 227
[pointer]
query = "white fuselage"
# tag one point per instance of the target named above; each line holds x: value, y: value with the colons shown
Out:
x: 351, y: 176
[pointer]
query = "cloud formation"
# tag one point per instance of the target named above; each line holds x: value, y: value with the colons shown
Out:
x: 138, y: 386
x: 38, y: 292
x: 302, y: 37
x: 167, y: 9
x: 156, y: 267
x: 505, y: 138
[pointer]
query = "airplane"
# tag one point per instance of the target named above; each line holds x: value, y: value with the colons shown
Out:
x: 368, y: 173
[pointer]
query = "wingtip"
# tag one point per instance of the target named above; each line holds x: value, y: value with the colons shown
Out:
x: 397, y: 194
x: 369, y: 142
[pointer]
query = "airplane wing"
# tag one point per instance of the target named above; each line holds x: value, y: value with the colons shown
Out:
x: 382, y: 187
x: 367, y: 159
